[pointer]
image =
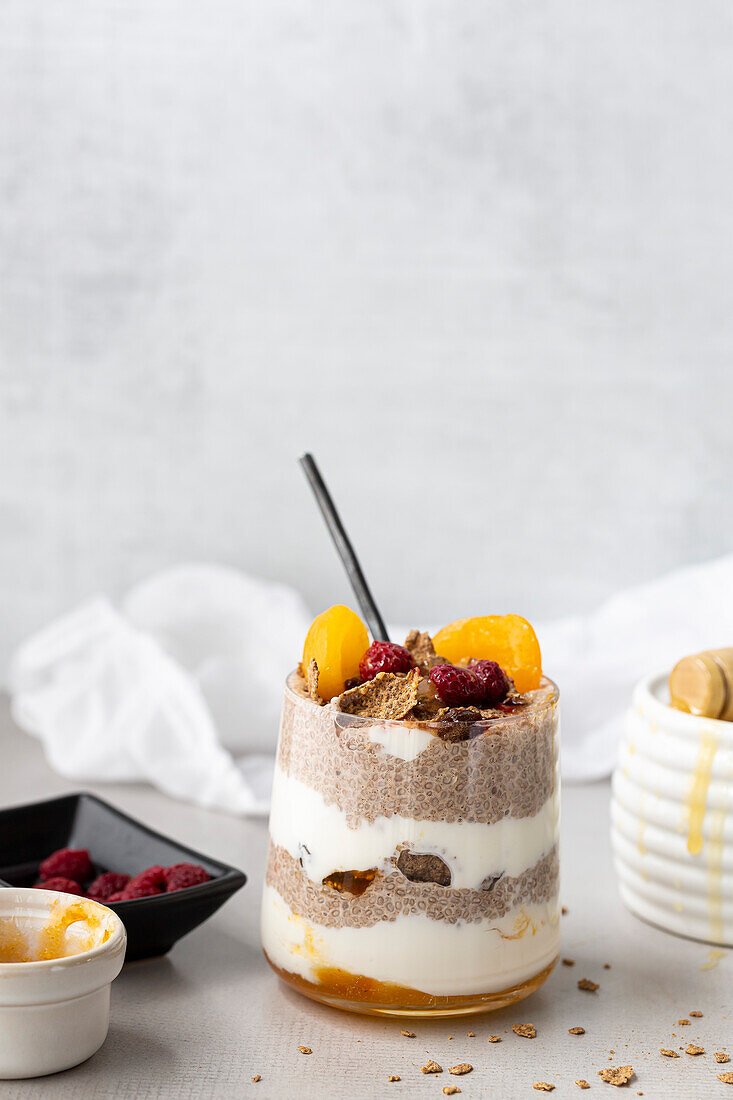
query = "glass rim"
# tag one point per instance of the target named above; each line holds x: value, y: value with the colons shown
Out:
x: 549, y: 702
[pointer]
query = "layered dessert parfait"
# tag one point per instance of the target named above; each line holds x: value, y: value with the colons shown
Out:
x: 413, y: 860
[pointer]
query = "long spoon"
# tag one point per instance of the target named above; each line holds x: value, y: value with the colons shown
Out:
x: 369, y: 609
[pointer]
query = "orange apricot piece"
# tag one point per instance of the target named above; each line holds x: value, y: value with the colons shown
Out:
x: 337, y: 640
x: 507, y: 639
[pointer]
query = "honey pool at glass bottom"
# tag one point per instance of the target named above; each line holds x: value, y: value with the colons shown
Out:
x: 355, y: 993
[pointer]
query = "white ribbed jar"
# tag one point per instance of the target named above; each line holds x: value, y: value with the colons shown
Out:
x: 672, y: 819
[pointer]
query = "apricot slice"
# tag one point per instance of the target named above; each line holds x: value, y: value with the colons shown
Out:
x: 337, y: 640
x: 507, y: 639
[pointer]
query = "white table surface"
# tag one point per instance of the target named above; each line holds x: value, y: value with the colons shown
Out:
x: 202, y: 1021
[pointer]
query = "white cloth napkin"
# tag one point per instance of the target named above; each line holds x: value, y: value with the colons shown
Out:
x: 596, y: 659
x: 191, y: 669
x: 192, y: 666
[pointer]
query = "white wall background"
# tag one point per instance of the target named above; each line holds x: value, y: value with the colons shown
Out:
x: 477, y: 256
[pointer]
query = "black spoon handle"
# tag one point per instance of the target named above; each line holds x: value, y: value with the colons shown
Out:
x: 369, y: 609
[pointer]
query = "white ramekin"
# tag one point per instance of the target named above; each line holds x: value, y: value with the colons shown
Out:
x: 671, y: 820
x: 55, y: 1014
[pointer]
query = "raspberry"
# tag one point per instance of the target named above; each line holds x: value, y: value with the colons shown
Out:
x: 181, y: 875
x: 58, y: 882
x: 385, y: 657
x: 104, y: 886
x: 494, y: 680
x: 456, y: 687
x: 151, y: 877
x: 73, y: 863
x: 137, y: 890
x: 114, y: 897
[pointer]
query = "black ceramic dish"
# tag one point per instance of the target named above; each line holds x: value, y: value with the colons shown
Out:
x: 115, y: 842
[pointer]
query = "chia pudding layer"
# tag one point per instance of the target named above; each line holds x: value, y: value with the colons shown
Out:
x: 504, y: 767
x: 415, y: 854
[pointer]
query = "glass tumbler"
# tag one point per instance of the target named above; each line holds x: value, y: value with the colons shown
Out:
x: 413, y: 867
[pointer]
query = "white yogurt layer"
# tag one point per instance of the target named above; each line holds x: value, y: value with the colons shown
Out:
x: 404, y: 742
x: 319, y: 836
x: 434, y: 957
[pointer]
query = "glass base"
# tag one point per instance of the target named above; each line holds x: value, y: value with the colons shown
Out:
x: 355, y: 993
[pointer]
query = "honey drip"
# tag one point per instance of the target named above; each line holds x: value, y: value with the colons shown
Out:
x: 697, y: 798
x: 714, y: 958
x: 715, y: 874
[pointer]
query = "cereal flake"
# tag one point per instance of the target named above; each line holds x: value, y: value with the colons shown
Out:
x: 311, y: 679
x: 420, y: 646
x: 617, y: 1075
x: 527, y: 1031
x: 389, y: 695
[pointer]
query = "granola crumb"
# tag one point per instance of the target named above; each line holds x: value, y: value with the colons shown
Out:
x: 451, y: 1090
x: 407, y: 1034
x: 582, y: 1084
x: 683, y: 1023
x: 527, y: 1031
x: 564, y: 910
x: 394, y: 1077
x: 471, y: 1034
x: 568, y: 962
x: 692, y: 1049
x: 494, y: 1038
x: 606, y: 966
x: 257, y: 1077
x: 668, y: 1053
x: 726, y: 1078
x: 431, y: 1067
x: 305, y: 1050
x: 721, y: 1056
x: 588, y: 985
x: 543, y: 1086
x: 617, y: 1075
x: 460, y: 1069
x: 576, y: 1031
x: 697, y: 1015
